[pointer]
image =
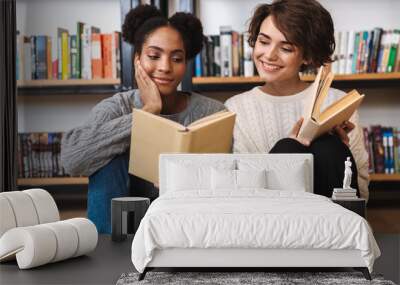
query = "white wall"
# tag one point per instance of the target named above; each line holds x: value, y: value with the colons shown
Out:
x: 346, y: 14
x: 44, y: 16
x: 60, y: 113
x: 49, y: 113
x: 381, y: 106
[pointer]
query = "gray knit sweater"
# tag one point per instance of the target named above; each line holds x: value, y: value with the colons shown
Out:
x: 107, y: 131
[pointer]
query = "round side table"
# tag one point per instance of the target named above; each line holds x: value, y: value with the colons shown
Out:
x: 120, y: 209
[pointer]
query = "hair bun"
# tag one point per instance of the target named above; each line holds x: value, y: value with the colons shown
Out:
x: 135, y: 19
x: 191, y: 29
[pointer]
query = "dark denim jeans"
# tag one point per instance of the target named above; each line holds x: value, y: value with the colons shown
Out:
x: 109, y: 182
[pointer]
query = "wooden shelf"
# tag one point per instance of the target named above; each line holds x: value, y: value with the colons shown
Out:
x: 256, y: 79
x: 69, y: 82
x: 226, y: 80
x: 52, y: 181
x: 379, y: 177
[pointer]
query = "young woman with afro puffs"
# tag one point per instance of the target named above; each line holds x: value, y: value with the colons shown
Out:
x: 99, y: 148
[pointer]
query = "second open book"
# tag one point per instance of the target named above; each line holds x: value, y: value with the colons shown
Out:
x: 318, y: 122
x: 153, y: 135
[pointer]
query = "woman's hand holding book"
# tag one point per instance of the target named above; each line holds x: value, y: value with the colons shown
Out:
x: 295, y: 131
x: 343, y: 130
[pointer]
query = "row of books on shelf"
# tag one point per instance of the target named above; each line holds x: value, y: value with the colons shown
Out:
x: 88, y: 54
x: 39, y: 155
x: 227, y: 54
x: 375, y: 51
x: 383, y: 146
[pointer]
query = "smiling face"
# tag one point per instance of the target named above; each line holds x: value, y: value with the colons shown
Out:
x: 276, y: 59
x: 164, y: 60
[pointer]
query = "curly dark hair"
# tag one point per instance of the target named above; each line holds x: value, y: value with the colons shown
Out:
x: 305, y: 23
x: 144, y: 19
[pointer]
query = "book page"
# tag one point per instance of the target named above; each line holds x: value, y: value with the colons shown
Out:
x: 214, y: 137
x: 150, y: 136
x: 322, y: 94
x: 333, y: 115
x: 209, y: 119
x: 150, y: 117
x: 313, y: 89
x: 153, y: 135
x: 341, y: 106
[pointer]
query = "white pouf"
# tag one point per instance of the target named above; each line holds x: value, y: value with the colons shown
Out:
x: 31, y: 232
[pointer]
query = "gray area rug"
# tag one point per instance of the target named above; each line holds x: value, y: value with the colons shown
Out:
x: 243, y: 278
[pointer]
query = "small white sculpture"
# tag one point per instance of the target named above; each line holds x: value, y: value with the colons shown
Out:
x: 347, y: 174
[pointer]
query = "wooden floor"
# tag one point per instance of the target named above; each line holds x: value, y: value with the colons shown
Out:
x: 385, y: 220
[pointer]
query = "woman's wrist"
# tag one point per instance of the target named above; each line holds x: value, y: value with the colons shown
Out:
x: 152, y: 108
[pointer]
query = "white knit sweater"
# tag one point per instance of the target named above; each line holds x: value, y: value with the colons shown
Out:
x: 263, y: 119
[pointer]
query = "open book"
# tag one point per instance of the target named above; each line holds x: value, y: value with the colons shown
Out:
x: 153, y: 135
x: 317, y: 122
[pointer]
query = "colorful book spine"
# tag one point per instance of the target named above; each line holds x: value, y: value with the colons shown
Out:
x: 375, y: 51
x: 20, y: 57
x: 247, y: 56
x: 235, y: 54
x: 363, y: 52
x: 49, y: 62
x: 350, y: 50
x: 65, y: 53
x: 217, y: 55
x: 391, y: 163
x: 79, y: 32
x: 210, y: 56
x: 33, y: 57
x: 106, y: 42
x: 226, y: 51
x: 368, y: 148
x: 86, y: 58
x: 241, y: 55
x: 198, y: 66
x: 367, y: 39
x: 204, y: 59
x: 396, y: 146
x: 379, y: 159
x: 385, y: 51
x: 73, y: 57
x: 344, y: 36
x: 41, y: 57
x: 97, y: 64
x: 113, y: 57
x: 393, y: 49
x: 117, y: 36
x: 355, y: 53
x: 27, y: 58
x: 60, y: 31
